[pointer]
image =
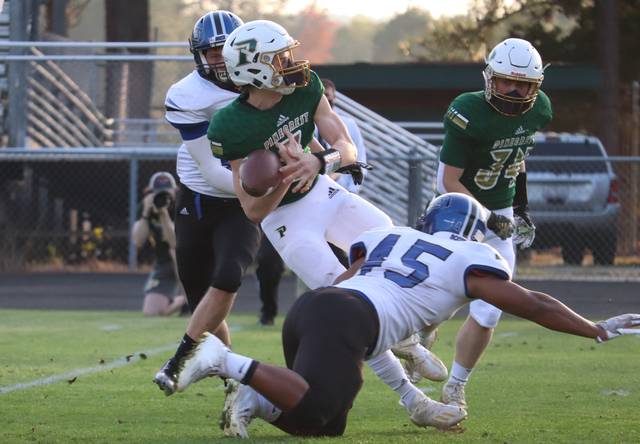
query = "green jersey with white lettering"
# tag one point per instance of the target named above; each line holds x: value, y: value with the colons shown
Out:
x: 239, y: 128
x: 490, y: 146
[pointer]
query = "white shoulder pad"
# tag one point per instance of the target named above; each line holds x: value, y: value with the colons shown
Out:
x: 484, y: 257
x: 194, y: 99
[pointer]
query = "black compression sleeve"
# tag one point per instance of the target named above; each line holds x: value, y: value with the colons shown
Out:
x: 521, y: 199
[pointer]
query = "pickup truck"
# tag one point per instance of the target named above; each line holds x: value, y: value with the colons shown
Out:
x: 573, y: 197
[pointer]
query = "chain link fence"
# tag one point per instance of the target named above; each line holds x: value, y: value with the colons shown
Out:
x: 587, y: 214
x: 71, y: 209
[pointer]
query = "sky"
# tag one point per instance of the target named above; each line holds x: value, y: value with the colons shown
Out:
x: 383, y: 9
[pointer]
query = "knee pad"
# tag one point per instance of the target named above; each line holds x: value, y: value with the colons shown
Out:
x: 484, y: 313
x: 227, y: 277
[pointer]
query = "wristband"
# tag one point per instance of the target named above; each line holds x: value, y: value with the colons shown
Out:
x: 329, y: 160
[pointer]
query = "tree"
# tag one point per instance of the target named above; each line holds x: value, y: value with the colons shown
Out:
x: 246, y: 9
x: 563, y: 31
x: 316, y: 32
x: 390, y: 41
x: 354, y: 41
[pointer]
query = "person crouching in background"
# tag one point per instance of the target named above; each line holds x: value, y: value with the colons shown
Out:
x: 163, y: 293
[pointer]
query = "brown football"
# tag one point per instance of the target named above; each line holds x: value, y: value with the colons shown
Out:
x: 260, y: 172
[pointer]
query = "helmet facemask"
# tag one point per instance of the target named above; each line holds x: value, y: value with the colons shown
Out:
x: 511, y: 103
x: 215, y: 72
x: 288, y: 74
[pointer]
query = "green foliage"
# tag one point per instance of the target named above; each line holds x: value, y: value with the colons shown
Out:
x: 563, y: 31
x: 393, y: 35
x: 353, y: 41
x: 532, y: 385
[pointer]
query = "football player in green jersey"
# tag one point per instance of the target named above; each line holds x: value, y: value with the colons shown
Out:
x: 488, y: 134
x: 281, y: 103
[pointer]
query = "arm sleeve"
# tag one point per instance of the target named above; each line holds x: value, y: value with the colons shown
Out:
x: 211, y: 168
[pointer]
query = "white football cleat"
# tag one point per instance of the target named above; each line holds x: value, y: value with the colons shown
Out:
x: 240, y: 406
x: 207, y: 359
x: 453, y: 394
x: 430, y: 413
x: 428, y: 338
x: 420, y: 361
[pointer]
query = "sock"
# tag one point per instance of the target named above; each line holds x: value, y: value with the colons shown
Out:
x: 238, y: 366
x: 266, y: 410
x: 389, y: 369
x: 186, y: 345
x: 459, y: 374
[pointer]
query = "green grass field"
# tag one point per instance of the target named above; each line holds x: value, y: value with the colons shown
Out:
x: 532, y: 386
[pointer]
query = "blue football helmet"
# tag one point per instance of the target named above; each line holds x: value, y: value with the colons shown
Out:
x: 455, y: 213
x: 211, y: 31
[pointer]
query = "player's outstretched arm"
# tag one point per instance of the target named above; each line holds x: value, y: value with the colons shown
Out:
x: 256, y: 208
x: 532, y: 305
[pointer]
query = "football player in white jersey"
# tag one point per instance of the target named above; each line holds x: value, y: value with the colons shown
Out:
x: 215, y: 242
x: 403, y: 280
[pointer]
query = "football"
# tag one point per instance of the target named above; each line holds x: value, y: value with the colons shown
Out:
x: 260, y: 172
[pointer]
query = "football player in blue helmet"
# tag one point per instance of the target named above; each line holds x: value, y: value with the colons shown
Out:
x: 457, y: 213
x: 206, y: 42
x: 463, y: 215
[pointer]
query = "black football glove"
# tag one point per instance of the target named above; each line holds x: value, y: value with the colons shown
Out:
x: 355, y: 169
x: 525, y: 231
x: 501, y: 225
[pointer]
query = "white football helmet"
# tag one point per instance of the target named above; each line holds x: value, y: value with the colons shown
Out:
x: 260, y: 53
x: 513, y: 59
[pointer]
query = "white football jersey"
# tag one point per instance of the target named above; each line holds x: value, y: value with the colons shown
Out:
x: 415, y: 279
x: 190, y: 104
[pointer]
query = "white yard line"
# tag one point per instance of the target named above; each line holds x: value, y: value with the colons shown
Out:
x: 121, y: 362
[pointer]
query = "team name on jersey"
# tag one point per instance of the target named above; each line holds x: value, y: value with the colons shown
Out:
x: 291, y: 125
x: 513, y: 141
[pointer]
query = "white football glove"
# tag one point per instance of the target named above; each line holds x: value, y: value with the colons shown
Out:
x: 524, y: 233
x: 619, y: 325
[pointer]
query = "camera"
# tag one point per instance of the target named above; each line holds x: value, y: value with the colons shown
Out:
x: 161, y: 199
x: 161, y: 184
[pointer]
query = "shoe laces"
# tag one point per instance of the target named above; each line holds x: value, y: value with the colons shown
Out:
x: 456, y: 391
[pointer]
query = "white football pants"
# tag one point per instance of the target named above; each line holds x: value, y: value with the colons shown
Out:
x: 484, y: 313
x: 299, y: 231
